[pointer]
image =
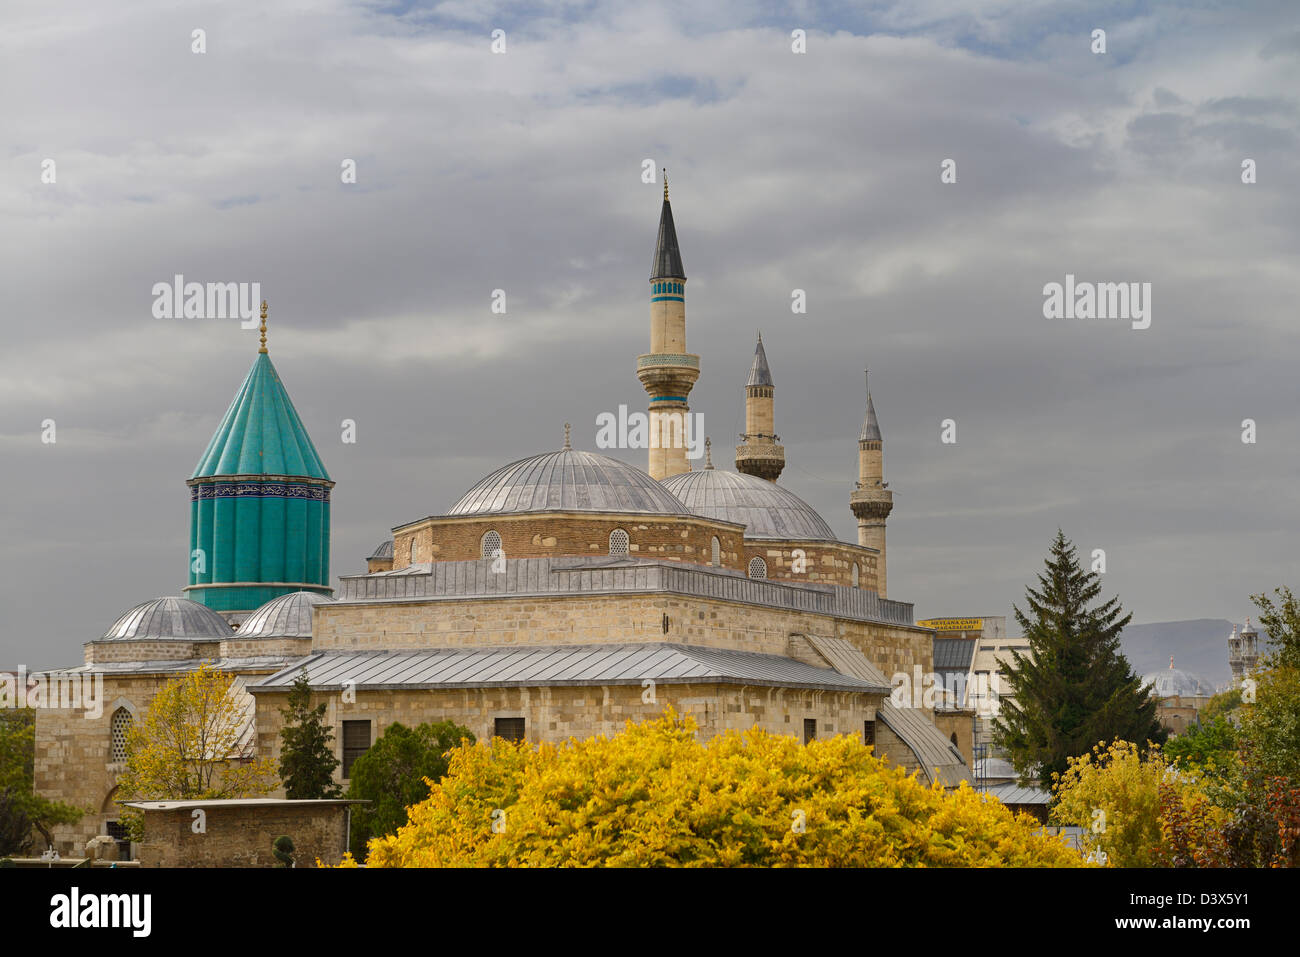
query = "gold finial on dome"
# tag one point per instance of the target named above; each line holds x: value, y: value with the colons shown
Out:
x: 708, y: 452
x: 566, y: 436
x: 263, y: 349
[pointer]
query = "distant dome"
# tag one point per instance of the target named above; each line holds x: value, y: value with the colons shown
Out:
x: 1172, y: 681
x: 288, y: 616
x: 385, y: 550
x: 764, y: 508
x: 169, y: 618
x: 571, y: 481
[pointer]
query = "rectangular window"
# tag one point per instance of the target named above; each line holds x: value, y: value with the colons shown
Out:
x: 809, y: 729
x: 117, y: 831
x: 512, y: 729
x: 869, y: 732
x: 356, y: 742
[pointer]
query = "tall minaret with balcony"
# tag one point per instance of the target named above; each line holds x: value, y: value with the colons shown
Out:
x: 760, y: 452
x: 872, y: 501
x: 668, y: 372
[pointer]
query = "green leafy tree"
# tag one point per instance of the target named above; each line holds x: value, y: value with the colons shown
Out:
x: 21, y: 810
x: 1210, y: 747
x: 1075, y: 688
x: 1281, y: 621
x: 307, y: 760
x: 391, y: 776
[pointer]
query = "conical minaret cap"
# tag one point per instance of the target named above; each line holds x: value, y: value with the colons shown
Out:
x: 668, y: 258
x: 759, y: 373
x: 870, y: 425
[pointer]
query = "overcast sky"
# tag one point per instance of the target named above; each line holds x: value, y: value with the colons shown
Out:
x: 521, y: 171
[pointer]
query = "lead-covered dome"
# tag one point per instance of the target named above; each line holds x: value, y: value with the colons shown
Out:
x: 1173, y: 681
x: 765, y: 509
x: 169, y: 618
x: 288, y: 616
x: 571, y: 481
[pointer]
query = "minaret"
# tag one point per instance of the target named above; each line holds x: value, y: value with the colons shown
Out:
x: 872, y: 501
x: 668, y: 372
x: 760, y: 452
x: 259, y: 502
x: 1243, y: 652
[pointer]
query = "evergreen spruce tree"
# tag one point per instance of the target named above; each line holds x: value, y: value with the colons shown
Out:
x: 1076, y: 689
x: 307, y: 760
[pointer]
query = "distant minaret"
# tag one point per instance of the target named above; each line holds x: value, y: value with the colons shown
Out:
x: 1243, y: 651
x: 760, y: 452
x: 668, y: 372
x: 871, y: 501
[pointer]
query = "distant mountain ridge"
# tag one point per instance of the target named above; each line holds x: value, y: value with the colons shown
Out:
x: 1199, y: 645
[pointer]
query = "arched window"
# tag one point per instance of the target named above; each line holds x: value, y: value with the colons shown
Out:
x: 491, y: 545
x: 855, y: 574
x: 757, y: 568
x: 717, y: 552
x: 954, y: 739
x: 118, y: 726
x: 412, y: 549
x: 618, y: 541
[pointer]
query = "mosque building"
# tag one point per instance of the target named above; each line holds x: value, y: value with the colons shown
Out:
x: 562, y: 595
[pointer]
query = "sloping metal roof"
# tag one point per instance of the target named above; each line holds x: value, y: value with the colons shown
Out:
x: 261, y: 433
x: 765, y: 509
x: 288, y: 616
x: 384, y: 550
x: 568, y: 480
x: 844, y: 656
x: 759, y: 373
x: 953, y: 654
x: 938, y: 757
x: 560, y: 665
x: 667, y: 262
x: 1015, y: 794
x: 169, y: 618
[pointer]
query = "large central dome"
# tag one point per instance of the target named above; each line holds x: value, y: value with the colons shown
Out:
x: 764, y: 508
x: 569, y: 481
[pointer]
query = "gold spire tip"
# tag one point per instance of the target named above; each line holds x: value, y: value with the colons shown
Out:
x: 708, y: 452
x: 263, y: 348
x: 566, y: 436
x: 665, y: 184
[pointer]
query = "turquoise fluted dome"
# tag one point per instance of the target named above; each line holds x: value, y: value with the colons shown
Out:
x: 259, y: 503
x: 261, y: 433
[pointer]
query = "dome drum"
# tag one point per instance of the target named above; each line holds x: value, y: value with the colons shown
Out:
x: 543, y: 535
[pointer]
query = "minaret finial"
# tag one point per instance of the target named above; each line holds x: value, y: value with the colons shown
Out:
x: 1171, y: 661
x: 566, y: 436
x: 665, y: 184
x: 866, y: 380
x: 708, y: 452
x: 263, y: 349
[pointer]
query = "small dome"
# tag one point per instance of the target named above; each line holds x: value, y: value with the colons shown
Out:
x: 169, y: 618
x: 569, y: 481
x: 288, y: 616
x: 1173, y: 681
x: 385, y: 550
x: 764, y: 508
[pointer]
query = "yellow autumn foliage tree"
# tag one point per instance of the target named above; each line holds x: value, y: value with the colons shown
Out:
x: 1126, y: 803
x: 192, y: 743
x: 656, y: 796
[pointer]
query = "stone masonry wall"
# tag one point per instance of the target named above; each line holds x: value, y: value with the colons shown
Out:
x: 242, y: 835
